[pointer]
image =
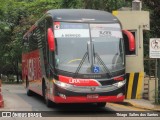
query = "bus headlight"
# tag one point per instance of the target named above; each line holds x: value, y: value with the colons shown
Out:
x: 62, y: 84
x: 120, y: 84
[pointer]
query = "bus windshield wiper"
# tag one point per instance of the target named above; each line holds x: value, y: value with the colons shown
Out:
x: 81, y: 63
x: 103, y: 64
x: 95, y: 55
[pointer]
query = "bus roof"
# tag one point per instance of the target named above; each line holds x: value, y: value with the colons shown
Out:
x: 82, y: 15
x: 77, y: 15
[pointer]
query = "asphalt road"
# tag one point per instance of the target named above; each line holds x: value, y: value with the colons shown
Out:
x: 15, y: 99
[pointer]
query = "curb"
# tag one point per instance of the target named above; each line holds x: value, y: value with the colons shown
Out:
x: 138, y: 106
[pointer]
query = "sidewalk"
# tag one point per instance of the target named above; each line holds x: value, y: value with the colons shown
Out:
x: 142, y: 103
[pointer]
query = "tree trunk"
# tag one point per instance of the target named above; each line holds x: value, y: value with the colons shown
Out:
x: 17, y: 71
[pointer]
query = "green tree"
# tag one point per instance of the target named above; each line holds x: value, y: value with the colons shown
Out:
x: 15, y: 19
x: 107, y: 5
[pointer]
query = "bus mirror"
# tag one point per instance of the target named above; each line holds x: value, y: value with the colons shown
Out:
x: 51, y: 41
x: 131, y: 39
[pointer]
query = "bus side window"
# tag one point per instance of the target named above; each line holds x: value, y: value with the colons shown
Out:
x: 33, y: 43
x: 39, y: 37
x: 126, y: 44
x: 41, y: 34
x: 42, y: 44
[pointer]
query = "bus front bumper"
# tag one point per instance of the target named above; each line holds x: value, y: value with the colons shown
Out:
x: 66, y: 93
x: 83, y: 99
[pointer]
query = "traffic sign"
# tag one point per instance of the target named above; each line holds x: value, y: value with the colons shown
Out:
x: 95, y: 69
x: 154, y: 48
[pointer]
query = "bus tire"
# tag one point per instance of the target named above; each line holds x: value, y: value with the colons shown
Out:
x: 45, y: 92
x: 29, y: 92
x: 48, y: 103
x: 101, y: 104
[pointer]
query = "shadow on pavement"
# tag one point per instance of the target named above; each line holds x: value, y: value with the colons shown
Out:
x: 80, y: 109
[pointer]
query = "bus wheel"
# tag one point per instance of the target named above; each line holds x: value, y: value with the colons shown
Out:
x: 101, y: 104
x: 45, y: 92
x: 29, y: 92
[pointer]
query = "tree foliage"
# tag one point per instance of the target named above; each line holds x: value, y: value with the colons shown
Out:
x: 16, y: 17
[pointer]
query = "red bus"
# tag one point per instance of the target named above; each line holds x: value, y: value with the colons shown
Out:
x: 76, y: 56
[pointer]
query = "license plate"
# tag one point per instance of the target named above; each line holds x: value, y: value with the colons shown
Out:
x: 95, y: 96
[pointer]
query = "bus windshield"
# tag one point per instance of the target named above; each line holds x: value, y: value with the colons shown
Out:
x: 83, y: 45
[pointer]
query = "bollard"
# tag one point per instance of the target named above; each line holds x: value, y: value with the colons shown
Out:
x: 1, y: 97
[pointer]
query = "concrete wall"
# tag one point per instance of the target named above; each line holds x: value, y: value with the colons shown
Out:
x: 151, y: 89
x: 134, y: 21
